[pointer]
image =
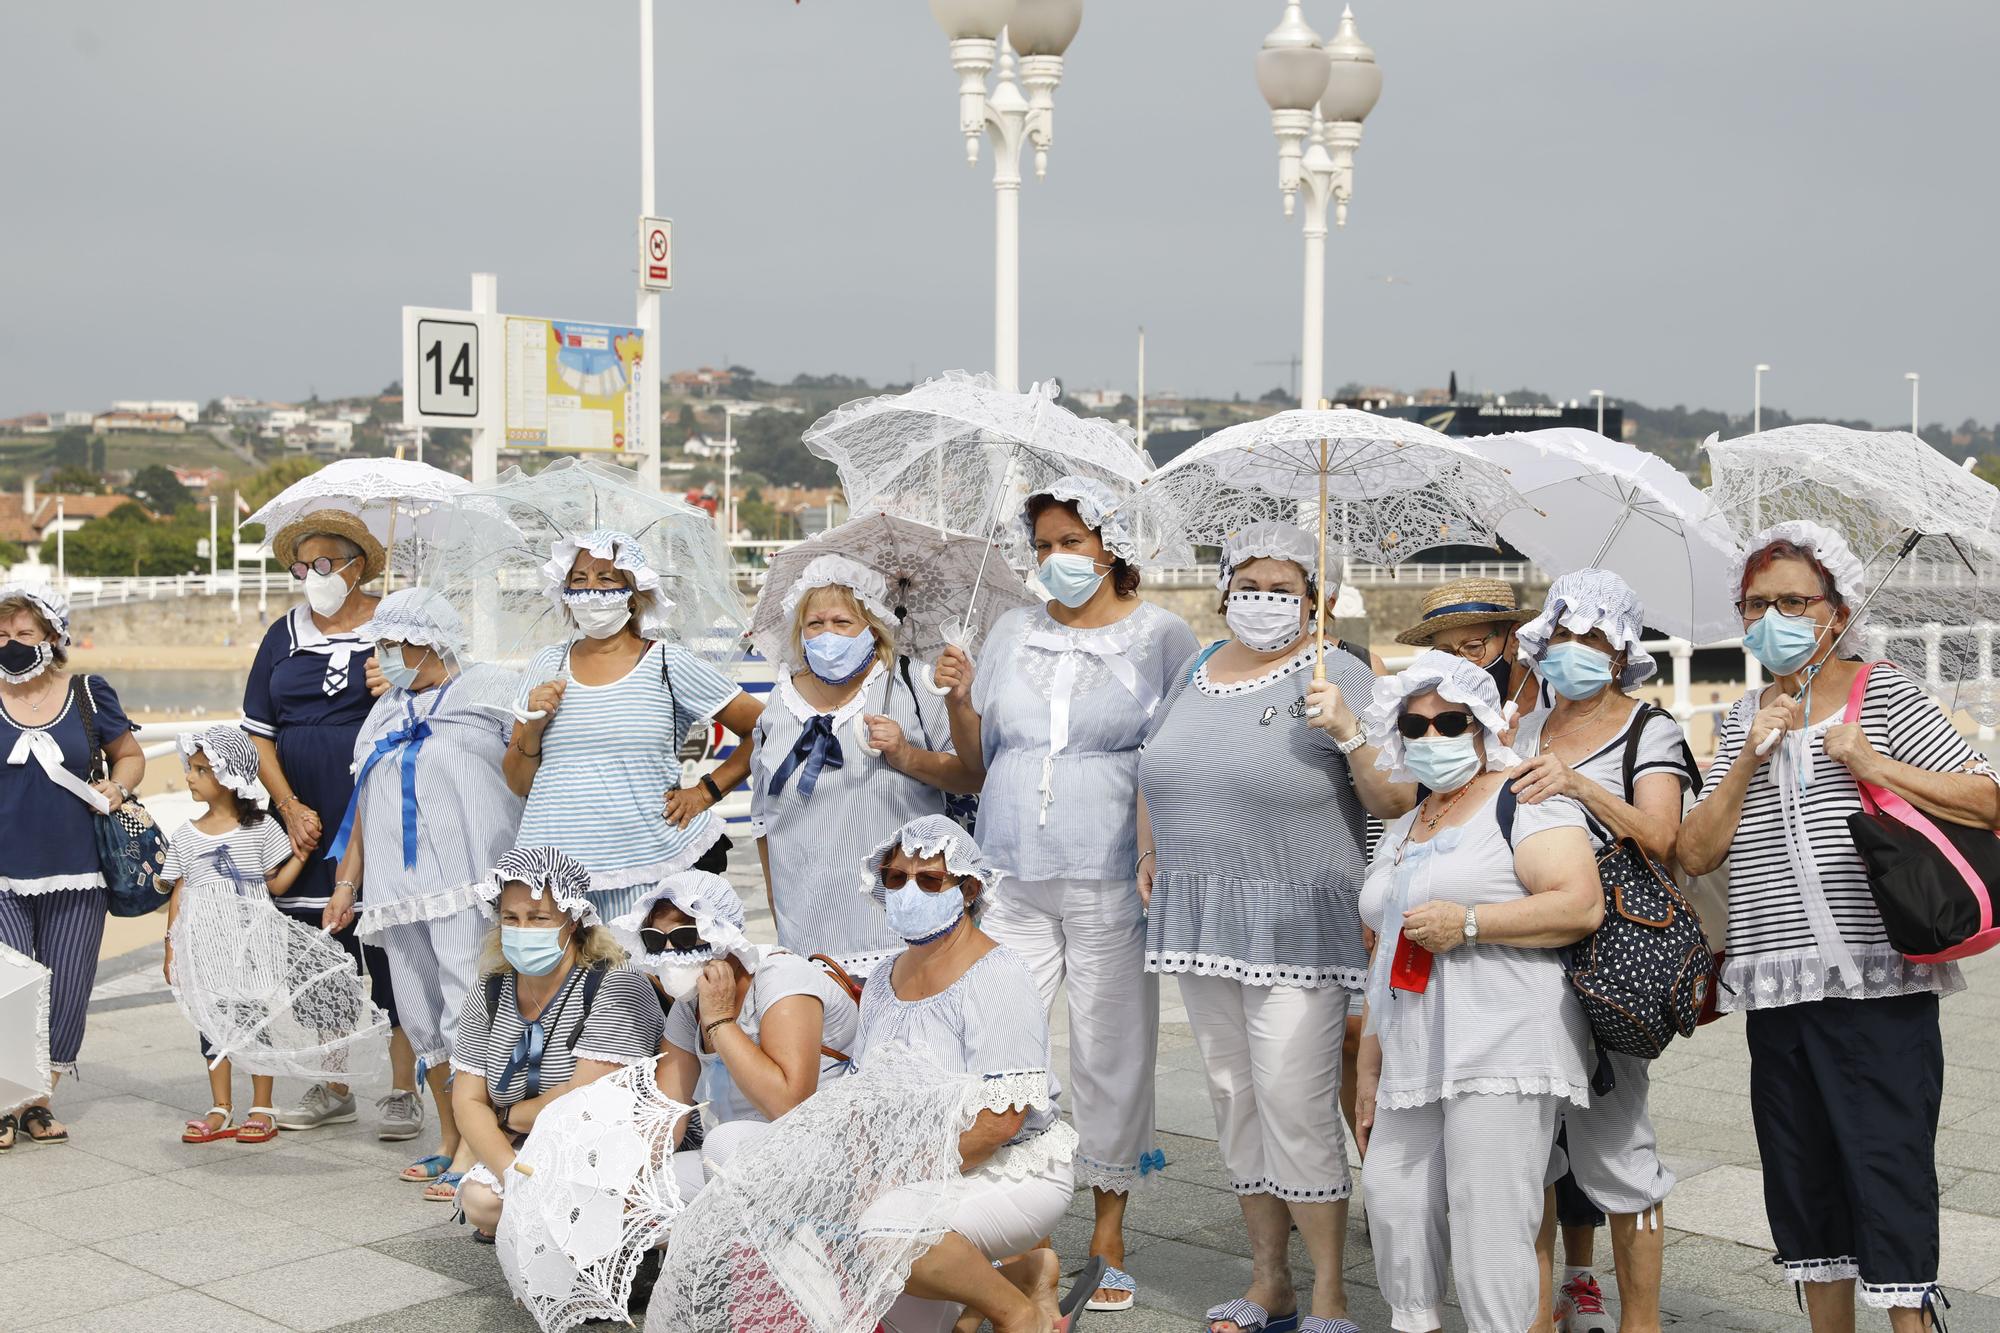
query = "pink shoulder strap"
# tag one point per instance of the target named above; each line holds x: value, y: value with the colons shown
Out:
x: 1855, y: 698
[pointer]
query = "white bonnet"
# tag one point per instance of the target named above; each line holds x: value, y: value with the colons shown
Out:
x: 53, y: 606
x: 1591, y: 599
x: 1097, y: 505
x: 649, y: 604
x: 543, y: 870
x: 1827, y: 546
x: 1456, y: 681
x: 1278, y: 541
x: 838, y: 571
x: 423, y: 616
x: 230, y: 755
x: 705, y: 899
x: 933, y: 835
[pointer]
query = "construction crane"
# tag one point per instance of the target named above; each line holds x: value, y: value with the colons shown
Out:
x: 1292, y: 362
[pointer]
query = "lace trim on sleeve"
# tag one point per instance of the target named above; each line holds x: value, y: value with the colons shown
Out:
x: 1021, y: 1090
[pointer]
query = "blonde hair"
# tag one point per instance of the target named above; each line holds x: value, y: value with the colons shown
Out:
x: 14, y: 606
x: 594, y: 944
x: 885, y: 638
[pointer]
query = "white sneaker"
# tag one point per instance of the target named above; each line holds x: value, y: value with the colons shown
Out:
x: 402, y: 1116
x: 1580, y: 1307
x: 318, y: 1107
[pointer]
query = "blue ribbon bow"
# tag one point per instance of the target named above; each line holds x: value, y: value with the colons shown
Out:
x: 817, y: 748
x: 413, y: 735
x: 224, y: 865
x: 527, y: 1051
x: 1149, y: 1162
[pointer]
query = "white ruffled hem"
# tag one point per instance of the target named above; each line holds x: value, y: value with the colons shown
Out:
x: 460, y: 1067
x: 754, y: 826
x: 1050, y: 1150
x: 1022, y: 1090
x: 376, y: 919
x: 1769, y: 981
x: 1289, y: 1194
x: 1896, y: 1295
x: 610, y: 881
x: 1576, y: 1094
x: 67, y: 1068
x: 1093, y: 1174
x: 611, y: 1058
x: 28, y: 888
x: 1844, y: 1269
x: 1257, y: 974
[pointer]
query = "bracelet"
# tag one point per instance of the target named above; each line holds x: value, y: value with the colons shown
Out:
x: 343, y: 883
x: 525, y: 755
x: 707, y: 1028
x: 505, y: 1112
x: 1352, y: 743
x: 1141, y: 861
x: 714, y: 792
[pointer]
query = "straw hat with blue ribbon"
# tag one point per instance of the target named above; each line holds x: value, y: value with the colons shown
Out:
x: 1465, y: 602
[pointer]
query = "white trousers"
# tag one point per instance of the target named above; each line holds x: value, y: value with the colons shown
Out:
x: 693, y: 1166
x: 1613, y: 1150
x: 1090, y: 933
x: 433, y: 965
x: 1272, y: 1056
x: 1461, y: 1176
x: 999, y: 1215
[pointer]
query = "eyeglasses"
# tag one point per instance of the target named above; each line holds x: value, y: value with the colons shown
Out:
x: 930, y: 881
x: 1475, y: 649
x: 681, y: 939
x: 324, y: 565
x: 1415, y: 726
x: 1753, y: 608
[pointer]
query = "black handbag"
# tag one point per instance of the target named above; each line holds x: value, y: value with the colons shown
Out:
x: 1645, y: 974
x: 131, y: 850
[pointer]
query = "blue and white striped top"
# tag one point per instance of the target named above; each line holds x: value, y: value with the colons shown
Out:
x: 610, y: 755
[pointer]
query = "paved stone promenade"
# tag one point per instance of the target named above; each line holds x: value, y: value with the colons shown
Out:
x: 127, y: 1229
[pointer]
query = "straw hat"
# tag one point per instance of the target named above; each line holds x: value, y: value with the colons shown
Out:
x: 1464, y: 602
x: 331, y: 523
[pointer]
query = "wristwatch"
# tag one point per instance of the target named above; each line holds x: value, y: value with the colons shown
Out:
x: 1471, y: 925
x: 714, y: 792
x: 1352, y: 743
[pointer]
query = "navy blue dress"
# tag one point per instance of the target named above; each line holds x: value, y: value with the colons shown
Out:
x: 51, y: 841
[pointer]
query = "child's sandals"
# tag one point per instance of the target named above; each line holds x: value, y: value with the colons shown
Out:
x: 199, y: 1130
x: 260, y: 1125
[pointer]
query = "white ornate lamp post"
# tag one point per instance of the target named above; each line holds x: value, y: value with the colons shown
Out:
x: 1598, y: 394
x: 1916, y: 424
x: 1038, y: 31
x: 1319, y: 94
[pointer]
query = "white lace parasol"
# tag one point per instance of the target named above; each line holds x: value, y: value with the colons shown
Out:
x: 1923, y: 529
x: 24, y: 1031
x: 595, y: 1190
x: 927, y: 576
x: 816, y: 1224
x: 272, y: 996
x: 960, y: 453
x: 396, y: 498
x: 490, y: 565
x: 1393, y: 488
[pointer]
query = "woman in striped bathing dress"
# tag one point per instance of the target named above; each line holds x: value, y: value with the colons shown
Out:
x: 598, y: 756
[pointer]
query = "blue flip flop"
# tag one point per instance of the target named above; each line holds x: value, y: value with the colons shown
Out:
x: 1114, y: 1279
x: 434, y: 1166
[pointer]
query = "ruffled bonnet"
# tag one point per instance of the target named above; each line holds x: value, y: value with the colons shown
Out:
x: 52, y: 605
x: 705, y: 899
x: 650, y: 603
x: 1097, y: 505
x: 545, y: 871
x: 423, y: 616
x: 1456, y: 681
x: 1591, y: 599
x: 1826, y: 546
x: 230, y: 755
x: 1276, y: 541
x: 838, y: 571
x: 933, y: 835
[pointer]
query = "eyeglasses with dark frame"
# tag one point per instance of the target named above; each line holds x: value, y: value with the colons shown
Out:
x: 1790, y: 606
x: 326, y: 564
x: 681, y: 939
x: 1474, y: 649
x: 930, y: 881
x: 1452, y: 725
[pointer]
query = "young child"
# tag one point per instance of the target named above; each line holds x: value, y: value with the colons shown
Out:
x: 234, y: 848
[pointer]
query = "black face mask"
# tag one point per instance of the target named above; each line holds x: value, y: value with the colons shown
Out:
x: 1502, y: 672
x: 18, y: 658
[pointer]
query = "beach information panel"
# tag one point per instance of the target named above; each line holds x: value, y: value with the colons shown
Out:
x: 571, y: 385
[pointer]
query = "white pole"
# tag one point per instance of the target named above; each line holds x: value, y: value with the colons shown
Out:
x: 1757, y: 401
x: 1312, y: 345
x: 236, y: 554
x: 485, y: 440
x: 1598, y: 394
x: 62, y: 566
x: 214, y: 543
x: 1916, y: 427
x: 649, y: 300
x: 1007, y: 118
x: 728, y: 475
x: 1142, y: 386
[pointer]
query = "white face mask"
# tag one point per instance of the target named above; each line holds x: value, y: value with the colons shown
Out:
x: 1264, y: 622
x: 599, y: 614
x: 325, y: 593
x: 680, y: 979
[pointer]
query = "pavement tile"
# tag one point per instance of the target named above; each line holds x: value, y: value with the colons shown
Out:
x: 71, y: 1282
x: 237, y: 1242
x: 1974, y: 1192
x: 157, y: 1149
x: 448, y: 1250
x: 174, y: 1312
x: 107, y: 1212
x: 28, y: 1172
x: 474, y: 1312
x: 339, y: 1288
x: 22, y: 1240
x: 275, y: 1181
x: 380, y: 1209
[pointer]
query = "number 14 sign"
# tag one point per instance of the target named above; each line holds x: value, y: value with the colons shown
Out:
x: 451, y: 361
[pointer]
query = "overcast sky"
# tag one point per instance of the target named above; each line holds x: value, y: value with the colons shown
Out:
x: 209, y: 198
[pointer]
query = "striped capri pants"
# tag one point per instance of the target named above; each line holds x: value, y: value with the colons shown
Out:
x: 432, y: 966
x: 61, y: 930
x: 1460, y: 1176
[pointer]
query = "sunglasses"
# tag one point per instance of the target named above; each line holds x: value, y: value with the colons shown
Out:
x: 681, y: 939
x: 930, y: 881
x: 326, y: 564
x: 1451, y: 726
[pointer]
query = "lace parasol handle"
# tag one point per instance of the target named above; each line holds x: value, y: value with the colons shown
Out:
x: 959, y: 635
x: 537, y: 714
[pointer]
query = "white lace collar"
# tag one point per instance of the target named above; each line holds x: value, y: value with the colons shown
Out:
x: 802, y: 708
x: 1119, y: 634
x: 1297, y: 662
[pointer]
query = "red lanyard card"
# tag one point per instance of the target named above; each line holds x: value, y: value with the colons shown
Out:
x: 1410, y: 969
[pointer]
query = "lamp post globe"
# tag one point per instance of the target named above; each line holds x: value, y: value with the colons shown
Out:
x: 972, y: 18
x: 1291, y: 66
x: 1354, y: 80
x: 1043, y: 27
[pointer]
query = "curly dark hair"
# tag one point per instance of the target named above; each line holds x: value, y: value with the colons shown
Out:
x: 1124, y: 577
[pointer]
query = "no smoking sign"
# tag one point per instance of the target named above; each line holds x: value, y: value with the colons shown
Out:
x: 656, y: 253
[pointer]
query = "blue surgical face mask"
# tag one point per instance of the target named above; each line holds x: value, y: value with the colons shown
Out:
x: 390, y: 659
x: 1576, y: 671
x: 1442, y: 763
x: 837, y: 658
x: 1071, y: 579
x: 1782, y: 643
x: 533, y: 950
x: 920, y: 917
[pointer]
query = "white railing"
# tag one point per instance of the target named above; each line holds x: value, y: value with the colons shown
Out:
x: 1372, y: 576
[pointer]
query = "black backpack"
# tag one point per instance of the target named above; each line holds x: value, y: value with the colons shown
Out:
x: 1643, y: 976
